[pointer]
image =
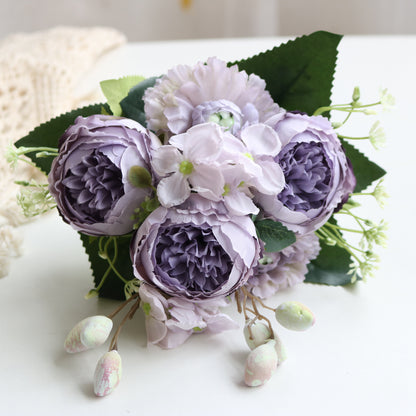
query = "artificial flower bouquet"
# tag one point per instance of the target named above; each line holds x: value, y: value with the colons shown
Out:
x: 213, y: 183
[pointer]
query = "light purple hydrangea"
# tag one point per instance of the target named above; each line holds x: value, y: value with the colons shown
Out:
x: 219, y: 166
x: 207, y: 92
x: 190, y: 165
x: 317, y: 173
x: 283, y: 269
x: 195, y: 251
x: 89, y: 177
x: 170, y: 321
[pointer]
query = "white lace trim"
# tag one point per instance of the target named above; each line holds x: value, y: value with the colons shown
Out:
x: 38, y: 75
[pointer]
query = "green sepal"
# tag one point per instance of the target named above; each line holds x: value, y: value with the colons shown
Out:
x: 331, y: 267
x: 117, y: 89
x: 299, y: 73
x: 133, y: 105
x: 113, y: 287
x: 274, y: 235
x: 49, y: 133
x: 139, y: 177
x: 365, y: 171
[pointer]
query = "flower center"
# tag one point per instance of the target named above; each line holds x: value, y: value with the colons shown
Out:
x: 307, y: 176
x: 190, y: 258
x: 223, y: 118
x: 222, y: 112
x: 93, y: 186
x: 186, y: 167
x: 227, y: 189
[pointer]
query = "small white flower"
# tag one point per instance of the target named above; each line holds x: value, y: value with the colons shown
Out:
x: 380, y: 194
x: 377, y: 135
x: 386, y: 99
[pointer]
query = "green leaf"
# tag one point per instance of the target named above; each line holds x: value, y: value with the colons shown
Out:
x: 365, y: 171
x: 298, y: 74
x: 274, y: 235
x: 117, y: 89
x: 49, y: 133
x: 331, y: 267
x: 113, y: 287
x: 133, y: 105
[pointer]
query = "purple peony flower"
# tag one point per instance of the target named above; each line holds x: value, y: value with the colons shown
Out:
x: 89, y: 179
x: 195, y: 254
x: 211, y: 92
x: 171, y: 321
x: 286, y: 268
x: 318, y: 175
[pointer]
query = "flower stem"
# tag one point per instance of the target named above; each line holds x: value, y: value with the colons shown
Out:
x: 129, y: 315
x: 255, y: 310
x: 122, y: 306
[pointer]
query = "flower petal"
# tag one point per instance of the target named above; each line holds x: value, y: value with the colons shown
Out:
x: 166, y: 159
x: 173, y: 190
x: 272, y: 180
x: 155, y: 330
x: 202, y: 142
x: 238, y: 203
x: 208, y: 181
x: 261, y: 139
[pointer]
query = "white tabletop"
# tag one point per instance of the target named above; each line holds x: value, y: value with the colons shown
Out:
x: 359, y: 358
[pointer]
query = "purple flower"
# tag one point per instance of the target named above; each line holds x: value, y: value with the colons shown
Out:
x: 195, y: 254
x: 89, y: 179
x: 211, y: 92
x: 171, y: 321
x: 286, y: 268
x: 318, y: 175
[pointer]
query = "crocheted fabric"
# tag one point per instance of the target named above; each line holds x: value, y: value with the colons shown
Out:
x: 38, y: 75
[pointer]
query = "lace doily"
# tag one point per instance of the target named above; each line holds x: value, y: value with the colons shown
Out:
x: 38, y: 75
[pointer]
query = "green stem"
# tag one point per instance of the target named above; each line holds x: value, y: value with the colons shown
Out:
x: 340, y: 242
x: 358, y: 219
x: 346, y: 118
x: 343, y: 229
x: 24, y: 150
x: 353, y: 138
x: 29, y: 162
x: 362, y: 194
x: 111, y: 262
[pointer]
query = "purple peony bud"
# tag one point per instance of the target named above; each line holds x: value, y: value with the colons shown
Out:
x: 195, y: 255
x: 318, y: 175
x: 90, y: 179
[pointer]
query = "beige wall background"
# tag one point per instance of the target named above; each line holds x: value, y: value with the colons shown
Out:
x: 143, y: 20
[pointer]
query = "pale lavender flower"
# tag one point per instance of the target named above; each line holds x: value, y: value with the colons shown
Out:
x: 195, y: 254
x: 170, y: 321
x: 318, y: 175
x: 263, y: 144
x: 283, y: 269
x: 237, y: 196
x: 207, y: 92
x: 190, y: 163
x: 89, y: 179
